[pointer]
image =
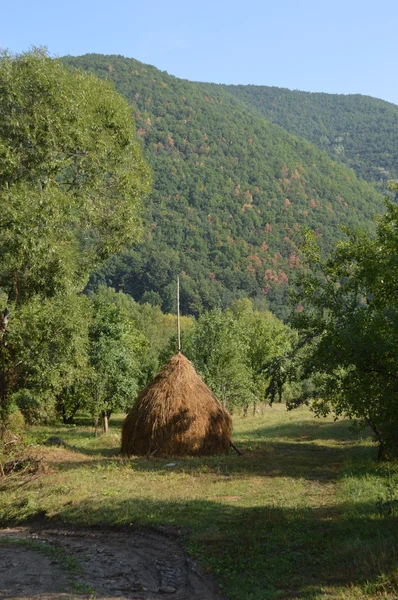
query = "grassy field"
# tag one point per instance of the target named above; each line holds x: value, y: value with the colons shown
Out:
x: 305, y: 513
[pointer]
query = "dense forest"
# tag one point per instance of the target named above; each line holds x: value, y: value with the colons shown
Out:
x: 359, y: 131
x: 232, y: 195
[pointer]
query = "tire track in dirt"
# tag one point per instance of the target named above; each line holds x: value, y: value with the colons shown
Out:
x: 108, y: 564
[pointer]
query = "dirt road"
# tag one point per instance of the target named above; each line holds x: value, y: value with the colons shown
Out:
x: 54, y: 563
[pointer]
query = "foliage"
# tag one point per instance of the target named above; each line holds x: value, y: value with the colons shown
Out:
x: 124, y: 345
x: 116, y: 353
x: 157, y: 329
x: 217, y: 350
x: 71, y: 181
x: 230, y: 348
x: 348, y: 331
x: 266, y: 339
x: 232, y: 194
x: 359, y: 131
x: 72, y: 175
x: 43, y: 350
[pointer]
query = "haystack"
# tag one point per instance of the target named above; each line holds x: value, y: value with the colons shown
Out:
x: 176, y: 415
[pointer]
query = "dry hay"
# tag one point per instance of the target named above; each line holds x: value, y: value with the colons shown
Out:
x: 176, y: 415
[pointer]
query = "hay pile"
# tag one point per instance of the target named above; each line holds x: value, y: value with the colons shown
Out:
x: 176, y: 415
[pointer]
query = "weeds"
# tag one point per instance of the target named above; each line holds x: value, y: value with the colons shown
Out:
x: 387, y: 503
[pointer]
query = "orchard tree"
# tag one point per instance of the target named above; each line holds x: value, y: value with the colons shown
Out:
x: 218, y: 350
x: 348, y: 331
x: 266, y: 338
x: 232, y: 349
x: 117, y: 351
x: 45, y: 354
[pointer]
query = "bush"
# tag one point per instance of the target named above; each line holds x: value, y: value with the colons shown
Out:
x: 28, y: 406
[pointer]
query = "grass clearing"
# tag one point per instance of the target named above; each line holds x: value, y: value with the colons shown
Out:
x: 304, y: 513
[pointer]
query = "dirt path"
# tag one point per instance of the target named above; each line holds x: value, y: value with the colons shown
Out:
x: 51, y: 563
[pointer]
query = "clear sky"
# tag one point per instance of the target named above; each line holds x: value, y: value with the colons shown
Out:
x: 340, y: 46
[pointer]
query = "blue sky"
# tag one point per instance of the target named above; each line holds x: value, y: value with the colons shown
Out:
x: 345, y: 47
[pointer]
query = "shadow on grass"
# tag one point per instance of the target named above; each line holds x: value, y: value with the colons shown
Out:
x: 267, y: 552
x: 336, y: 433
x: 307, y: 430
x: 104, y: 452
x: 298, y: 431
x: 309, y: 449
x: 82, y: 429
x: 274, y: 459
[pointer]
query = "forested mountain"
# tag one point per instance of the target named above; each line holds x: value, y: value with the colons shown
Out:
x: 232, y: 193
x: 360, y: 131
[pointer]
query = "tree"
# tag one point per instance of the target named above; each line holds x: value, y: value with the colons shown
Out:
x: 218, y: 350
x: 43, y: 353
x: 266, y: 338
x: 117, y: 351
x: 71, y: 174
x: 231, y: 348
x: 71, y: 181
x: 348, y: 329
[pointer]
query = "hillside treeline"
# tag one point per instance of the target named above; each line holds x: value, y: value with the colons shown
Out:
x: 358, y: 131
x: 231, y: 198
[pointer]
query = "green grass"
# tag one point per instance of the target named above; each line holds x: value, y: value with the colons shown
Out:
x: 300, y: 515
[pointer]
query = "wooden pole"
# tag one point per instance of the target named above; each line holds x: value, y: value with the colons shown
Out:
x: 178, y: 315
x: 236, y: 449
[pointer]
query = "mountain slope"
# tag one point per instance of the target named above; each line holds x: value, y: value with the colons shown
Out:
x: 232, y: 193
x: 360, y: 131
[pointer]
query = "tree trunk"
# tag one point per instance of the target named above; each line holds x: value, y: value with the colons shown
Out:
x: 381, y: 453
x: 105, y: 425
x: 96, y: 419
x: 67, y: 419
x: 5, y: 385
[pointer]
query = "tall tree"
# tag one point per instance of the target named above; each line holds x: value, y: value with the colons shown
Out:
x: 71, y: 174
x: 217, y: 349
x: 71, y: 181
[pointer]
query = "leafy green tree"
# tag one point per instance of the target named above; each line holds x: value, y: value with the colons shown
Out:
x: 71, y: 174
x: 348, y: 329
x: 71, y: 181
x: 218, y: 350
x: 266, y: 338
x: 232, y: 348
x: 149, y: 320
x: 43, y: 352
x: 116, y: 353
